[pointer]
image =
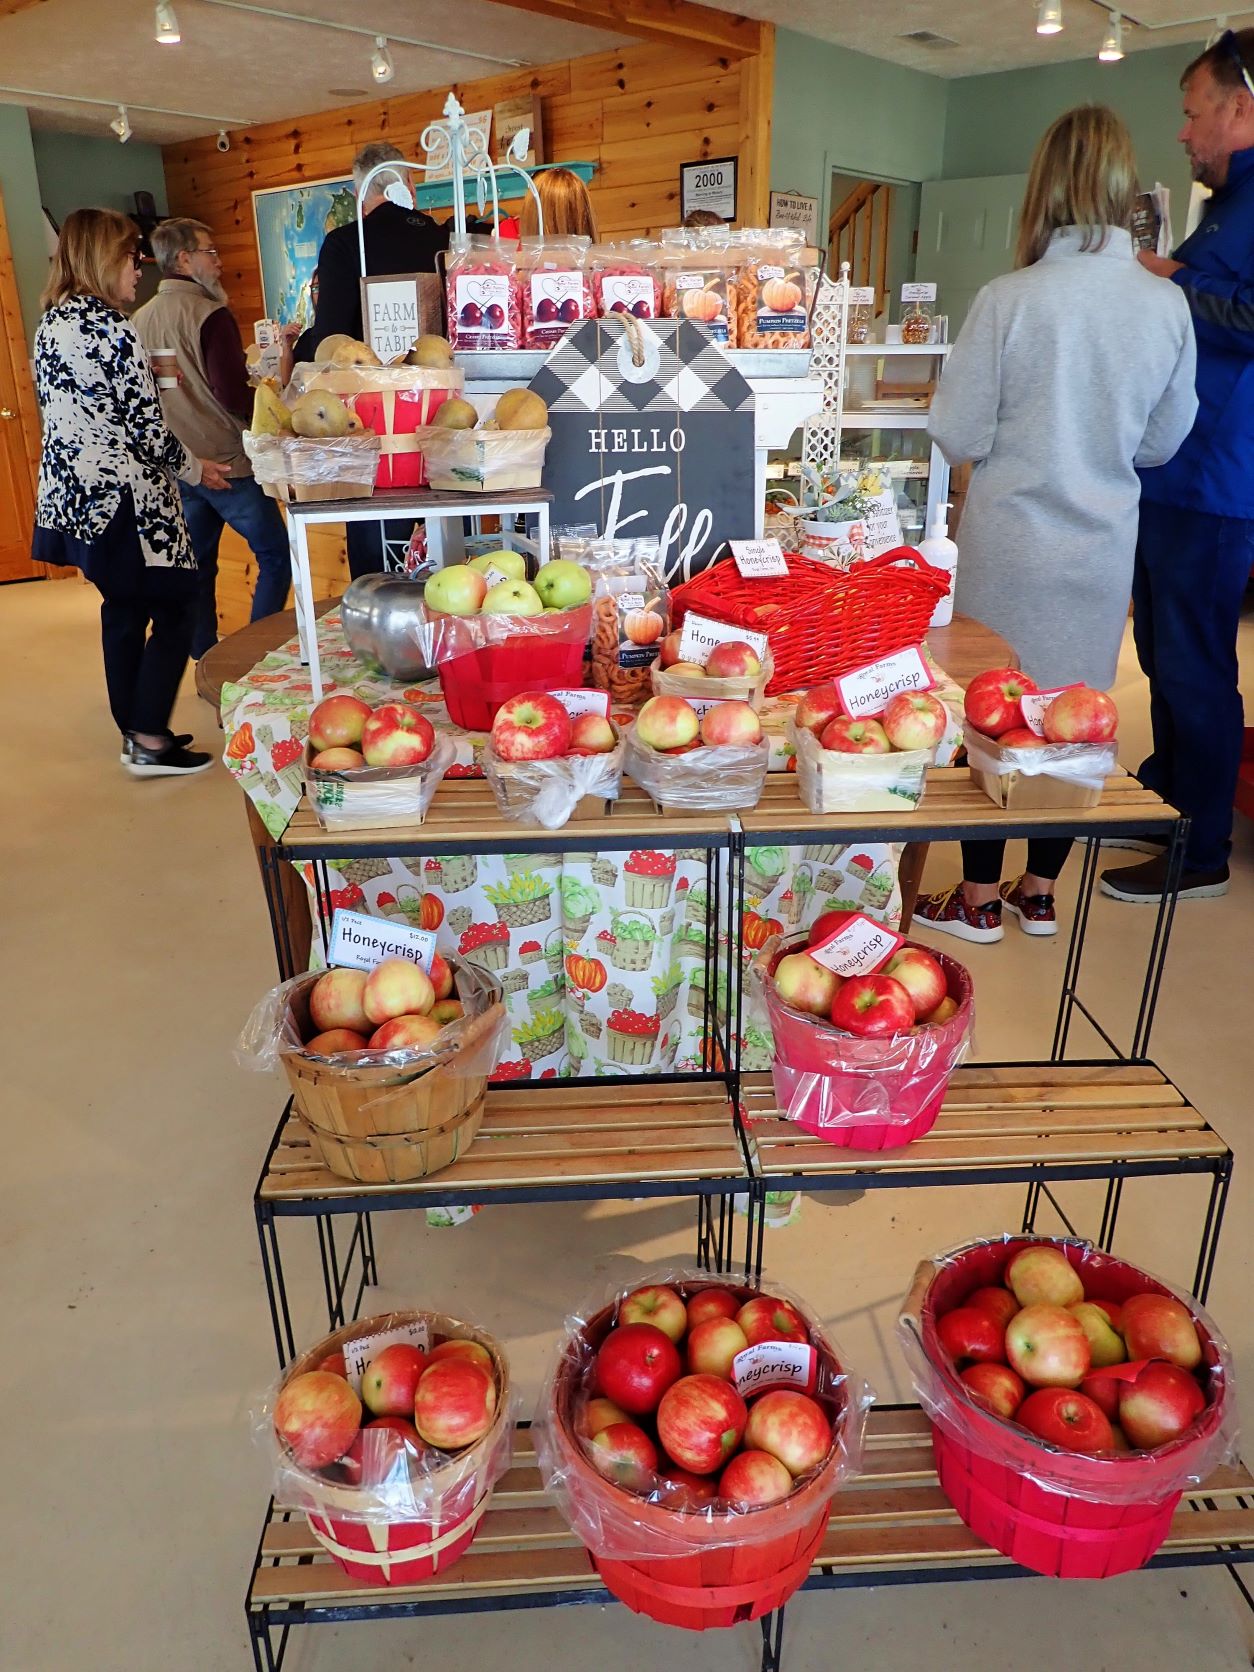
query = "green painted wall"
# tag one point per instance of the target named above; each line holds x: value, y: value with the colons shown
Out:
x: 19, y: 182
x: 78, y: 171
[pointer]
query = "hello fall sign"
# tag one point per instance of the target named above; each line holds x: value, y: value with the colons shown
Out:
x: 663, y: 447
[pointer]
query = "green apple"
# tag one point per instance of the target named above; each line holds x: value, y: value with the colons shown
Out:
x: 512, y: 598
x: 564, y: 585
x: 457, y: 590
x: 513, y: 564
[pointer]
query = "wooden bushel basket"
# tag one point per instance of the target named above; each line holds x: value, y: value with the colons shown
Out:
x: 401, y: 1157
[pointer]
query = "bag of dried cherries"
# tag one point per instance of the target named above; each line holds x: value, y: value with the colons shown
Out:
x: 626, y: 278
x: 484, y: 299
x: 556, y: 287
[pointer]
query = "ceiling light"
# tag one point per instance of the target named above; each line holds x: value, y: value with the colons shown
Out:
x: 166, y: 25
x: 1111, y: 49
x: 121, y: 125
x: 1048, y: 17
x: 381, y: 68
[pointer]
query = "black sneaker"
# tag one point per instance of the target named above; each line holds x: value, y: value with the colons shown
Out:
x: 1145, y: 884
x: 179, y: 740
x: 171, y: 761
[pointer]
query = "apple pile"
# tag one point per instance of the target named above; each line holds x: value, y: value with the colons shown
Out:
x: 994, y: 707
x: 673, y: 727
x: 536, y: 727
x: 395, y: 1007
x: 497, y: 584
x: 732, y: 660
x: 911, y: 720
x: 424, y: 1405
x: 663, y: 1419
x: 1077, y: 1371
x: 909, y: 994
x: 346, y: 733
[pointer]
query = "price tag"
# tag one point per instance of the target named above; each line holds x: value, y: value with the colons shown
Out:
x: 867, y: 690
x: 1034, y: 704
x: 584, y: 701
x: 359, y: 942
x: 756, y: 558
x: 775, y: 1364
x: 700, y: 635
x: 862, y: 296
x: 358, y: 1354
x: 858, y: 947
x: 495, y: 576
x: 918, y: 292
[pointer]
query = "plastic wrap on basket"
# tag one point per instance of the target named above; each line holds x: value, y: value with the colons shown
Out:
x: 621, y: 1525
x: 714, y: 779
x: 483, y: 460
x: 1132, y: 1477
x: 1086, y: 765
x: 373, y: 797
x: 830, y: 781
x: 483, y: 660
x: 304, y: 467
x: 545, y: 794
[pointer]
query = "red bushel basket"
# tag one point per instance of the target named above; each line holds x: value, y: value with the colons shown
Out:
x: 867, y: 1094
x: 1067, y: 1514
x: 822, y: 622
x: 700, y: 1569
x: 484, y: 660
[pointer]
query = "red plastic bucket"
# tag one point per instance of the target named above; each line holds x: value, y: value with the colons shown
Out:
x: 815, y: 1067
x: 546, y: 655
x: 1068, y: 1530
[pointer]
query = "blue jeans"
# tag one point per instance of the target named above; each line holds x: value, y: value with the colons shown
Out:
x: 1191, y: 573
x: 255, y: 518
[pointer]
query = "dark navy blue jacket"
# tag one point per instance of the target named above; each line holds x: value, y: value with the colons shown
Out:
x: 1214, y: 470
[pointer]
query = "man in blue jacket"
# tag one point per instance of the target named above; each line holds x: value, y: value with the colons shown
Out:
x: 1195, y: 547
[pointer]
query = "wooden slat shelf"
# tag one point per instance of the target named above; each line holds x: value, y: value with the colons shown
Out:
x: 1031, y: 1115
x: 892, y: 1517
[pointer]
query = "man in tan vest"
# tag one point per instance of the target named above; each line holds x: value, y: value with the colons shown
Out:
x: 208, y: 412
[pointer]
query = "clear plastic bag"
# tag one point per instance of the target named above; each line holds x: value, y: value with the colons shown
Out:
x: 384, y: 1481
x: 944, y: 1281
x: 483, y: 460
x: 556, y: 287
x: 376, y: 797
x: 774, y: 288
x: 626, y: 279
x: 698, y: 278
x: 483, y: 295
x: 416, y: 385
x: 1056, y: 774
x: 301, y: 467
x: 830, y: 781
x: 718, y: 779
x: 546, y: 794
x: 621, y: 1525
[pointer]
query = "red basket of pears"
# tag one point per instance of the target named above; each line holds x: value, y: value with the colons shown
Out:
x: 1029, y: 747
x: 390, y: 1435
x: 862, y: 1060
x: 1073, y: 1398
x: 694, y: 1433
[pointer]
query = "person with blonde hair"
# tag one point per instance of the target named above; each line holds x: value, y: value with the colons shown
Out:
x: 108, y: 485
x: 1069, y: 373
x: 567, y: 206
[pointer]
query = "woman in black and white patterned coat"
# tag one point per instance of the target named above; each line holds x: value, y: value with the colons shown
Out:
x: 108, y: 495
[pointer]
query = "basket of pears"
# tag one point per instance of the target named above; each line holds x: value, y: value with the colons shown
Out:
x: 314, y: 448
x: 490, y: 456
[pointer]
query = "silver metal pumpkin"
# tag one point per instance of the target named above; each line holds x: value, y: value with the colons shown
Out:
x: 383, y: 620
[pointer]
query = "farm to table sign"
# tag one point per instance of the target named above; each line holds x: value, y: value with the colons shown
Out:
x: 664, y: 448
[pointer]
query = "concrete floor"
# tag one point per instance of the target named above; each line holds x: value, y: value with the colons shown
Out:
x: 135, y: 942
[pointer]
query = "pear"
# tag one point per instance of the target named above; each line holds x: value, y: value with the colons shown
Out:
x: 455, y: 415
x: 352, y: 353
x: 270, y: 416
x: 355, y: 425
x: 433, y: 352
x: 320, y: 414
x: 325, y: 350
x: 520, y: 409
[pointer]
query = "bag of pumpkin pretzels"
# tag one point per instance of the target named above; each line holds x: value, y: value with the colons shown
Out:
x: 630, y: 612
x: 774, y: 288
x: 698, y: 277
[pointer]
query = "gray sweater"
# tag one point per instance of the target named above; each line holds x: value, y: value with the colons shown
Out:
x: 1066, y: 376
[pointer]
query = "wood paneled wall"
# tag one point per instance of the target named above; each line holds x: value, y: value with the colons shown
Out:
x: 637, y: 114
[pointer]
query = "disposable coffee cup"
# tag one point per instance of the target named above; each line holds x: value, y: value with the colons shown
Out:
x: 165, y: 365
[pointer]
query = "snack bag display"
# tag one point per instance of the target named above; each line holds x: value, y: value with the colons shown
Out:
x: 555, y: 286
x: 626, y: 279
x: 774, y: 292
x: 698, y: 280
x: 630, y: 612
x: 483, y: 293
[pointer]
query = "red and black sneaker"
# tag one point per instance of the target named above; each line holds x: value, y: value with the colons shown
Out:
x: 949, y: 913
x: 1035, y: 911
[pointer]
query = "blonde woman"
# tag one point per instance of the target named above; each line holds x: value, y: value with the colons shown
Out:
x: 567, y: 206
x: 108, y: 485
x: 1069, y: 373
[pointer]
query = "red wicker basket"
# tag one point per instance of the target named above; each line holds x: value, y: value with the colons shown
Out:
x: 821, y: 622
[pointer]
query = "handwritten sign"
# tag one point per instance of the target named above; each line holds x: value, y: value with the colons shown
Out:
x: 868, y: 690
x: 584, y: 701
x: 860, y: 946
x: 1034, y: 704
x: 359, y: 1354
x: 700, y: 635
x: 758, y: 558
x: 359, y: 942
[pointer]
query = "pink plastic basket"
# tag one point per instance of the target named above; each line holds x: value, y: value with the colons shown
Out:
x: 546, y: 654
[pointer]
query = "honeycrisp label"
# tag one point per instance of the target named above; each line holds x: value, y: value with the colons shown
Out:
x: 700, y: 635
x: 494, y: 576
x: 1034, y: 704
x: 775, y: 1364
x: 858, y: 947
x: 758, y: 558
x: 359, y: 942
x: 584, y: 702
x: 868, y: 690
x: 358, y: 1354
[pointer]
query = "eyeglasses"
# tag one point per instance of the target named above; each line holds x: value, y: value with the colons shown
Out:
x: 137, y: 261
x: 205, y: 249
x: 1227, y: 44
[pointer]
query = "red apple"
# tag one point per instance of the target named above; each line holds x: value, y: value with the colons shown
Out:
x: 914, y: 720
x: 1047, y: 1346
x: 1080, y: 716
x: 625, y: 1454
x: 317, y: 1416
x: 855, y: 737
x: 1159, y: 1326
x: 805, y: 984
x: 445, y: 1011
x: 635, y: 1366
x: 1062, y: 1417
x: 397, y: 735
x: 441, y: 976
x: 714, y: 1344
x: 473, y: 1351
x: 733, y: 660
x: 993, y: 1298
x: 656, y: 1305
x: 592, y: 734
x: 334, y: 1363
x: 827, y: 923
x: 1021, y: 737
x: 455, y: 1403
x: 598, y: 1414
x: 995, y: 1386
x: 1119, y: 1440
x: 1103, y: 1389
x: 680, y: 1489
x: 1112, y: 1309
x: 1158, y: 1407
x: 731, y: 725
x: 1105, y: 1342
x: 389, y: 1380
x: 817, y: 708
x: 972, y: 1333
x: 336, y: 1001
x: 337, y: 721
x: 700, y: 1422
x: 992, y: 700
x: 405, y: 1033
x: 792, y: 1427
x: 669, y: 653
x: 396, y: 987
x: 764, y: 1319
x: 336, y: 1039
x: 667, y: 723
x: 711, y: 1303
x: 921, y: 976
x: 531, y: 727
x: 754, y: 1478
x: 383, y: 1450
x: 687, y: 670
x: 1042, y: 1275
x: 338, y: 760
x: 873, y: 1007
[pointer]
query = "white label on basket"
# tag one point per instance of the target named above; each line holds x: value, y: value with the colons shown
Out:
x: 700, y: 635
x: 358, y: 1354
x: 858, y: 947
x: 758, y: 558
x: 775, y: 1364
x: 359, y: 942
x: 918, y: 292
x: 868, y: 690
x: 1034, y: 704
x: 701, y: 706
x: 584, y: 702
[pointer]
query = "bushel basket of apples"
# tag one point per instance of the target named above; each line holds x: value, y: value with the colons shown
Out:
x: 714, y: 762
x: 732, y: 672
x: 863, y: 1061
x: 693, y: 1433
x: 370, y: 768
x: 1032, y: 748
x: 1072, y: 1396
x: 545, y: 765
x: 390, y: 1435
x: 875, y: 765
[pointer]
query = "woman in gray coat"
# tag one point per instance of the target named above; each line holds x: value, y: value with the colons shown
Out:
x: 1068, y: 374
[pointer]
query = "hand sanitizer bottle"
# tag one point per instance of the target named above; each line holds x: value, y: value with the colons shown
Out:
x: 940, y: 551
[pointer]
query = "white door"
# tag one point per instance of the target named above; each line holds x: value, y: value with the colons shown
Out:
x: 967, y: 232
